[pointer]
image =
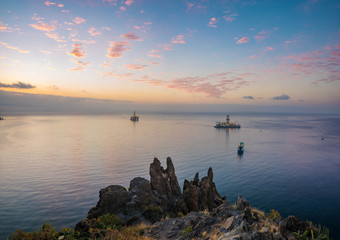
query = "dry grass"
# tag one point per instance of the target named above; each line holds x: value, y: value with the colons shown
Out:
x: 129, y: 233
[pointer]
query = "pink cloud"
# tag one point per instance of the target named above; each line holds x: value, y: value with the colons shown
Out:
x: 213, y: 85
x: 81, y: 66
x: 252, y: 56
x: 48, y: 3
x: 154, y: 63
x: 212, y: 22
x: 131, y: 36
x: 270, y: 48
x: 79, y: 20
x: 122, y: 8
x: 93, y: 31
x: 60, y: 5
x: 167, y: 47
x: 224, y: 82
x: 106, y: 28
x: 55, y: 36
x: 262, y: 35
x: 179, y: 39
x: 43, y: 27
x: 129, y: 2
x: 323, y: 65
x: 135, y: 66
x: 14, y: 47
x: 144, y: 27
x: 153, y: 55
x: 230, y: 17
x: 243, y: 40
x: 5, y: 28
x: 189, y: 5
x: 77, y: 51
x: 117, y: 49
x: 116, y: 75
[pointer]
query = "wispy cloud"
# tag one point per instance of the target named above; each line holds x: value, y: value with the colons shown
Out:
x: 243, y: 40
x: 80, y: 66
x: 154, y: 55
x: 9, y: 46
x: 135, y: 66
x: 307, y: 6
x: 179, y: 39
x: 262, y: 35
x: 93, y: 31
x: 282, y: 97
x: 117, y: 49
x: 5, y: 28
x: 131, y: 36
x: 44, y: 26
x: 322, y: 65
x: 20, y: 85
x: 77, y: 51
x: 230, y: 17
x: 116, y: 75
x: 189, y: 5
x: 144, y: 27
x: 55, y: 36
x: 79, y: 20
x: 167, y: 47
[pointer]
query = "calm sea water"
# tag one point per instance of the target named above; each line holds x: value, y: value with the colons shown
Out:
x: 52, y: 167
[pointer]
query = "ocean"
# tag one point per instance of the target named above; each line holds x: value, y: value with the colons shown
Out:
x: 52, y: 167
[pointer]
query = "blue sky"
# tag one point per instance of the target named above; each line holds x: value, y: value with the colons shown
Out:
x: 207, y: 52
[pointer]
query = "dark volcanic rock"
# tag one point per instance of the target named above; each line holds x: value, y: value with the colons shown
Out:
x: 175, y: 188
x: 159, y: 178
x: 190, y: 194
x: 292, y: 224
x: 150, y: 201
x: 201, y: 195
x: 112, y: 199
x: 241, y: 203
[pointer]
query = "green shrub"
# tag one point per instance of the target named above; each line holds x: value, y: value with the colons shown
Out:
x: 274, y: 214
x: 153, y: 213
x: 322, y: 233
x: 109, y: 221
x: 186, y: 230
x: 47, y: 232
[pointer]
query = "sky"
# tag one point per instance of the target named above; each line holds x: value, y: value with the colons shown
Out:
x: 243, y: 52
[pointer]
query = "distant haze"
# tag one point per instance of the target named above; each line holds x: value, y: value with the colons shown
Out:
x: 13, y: 103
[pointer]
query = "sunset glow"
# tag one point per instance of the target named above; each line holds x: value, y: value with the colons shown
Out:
x: 198, y: 51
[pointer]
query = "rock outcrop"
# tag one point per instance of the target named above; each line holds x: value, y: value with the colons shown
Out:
x: 201, y: 195
x: 146, y: 201
x: 227, y: 222
x: 197, y: 213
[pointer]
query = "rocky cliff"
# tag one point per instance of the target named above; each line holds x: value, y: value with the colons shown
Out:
x: 197, y: 213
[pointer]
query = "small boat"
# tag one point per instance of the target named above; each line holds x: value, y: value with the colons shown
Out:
x: 240, y: 148
x: 227, y: 124
x: 134, y: 117
x: 1, y: 118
